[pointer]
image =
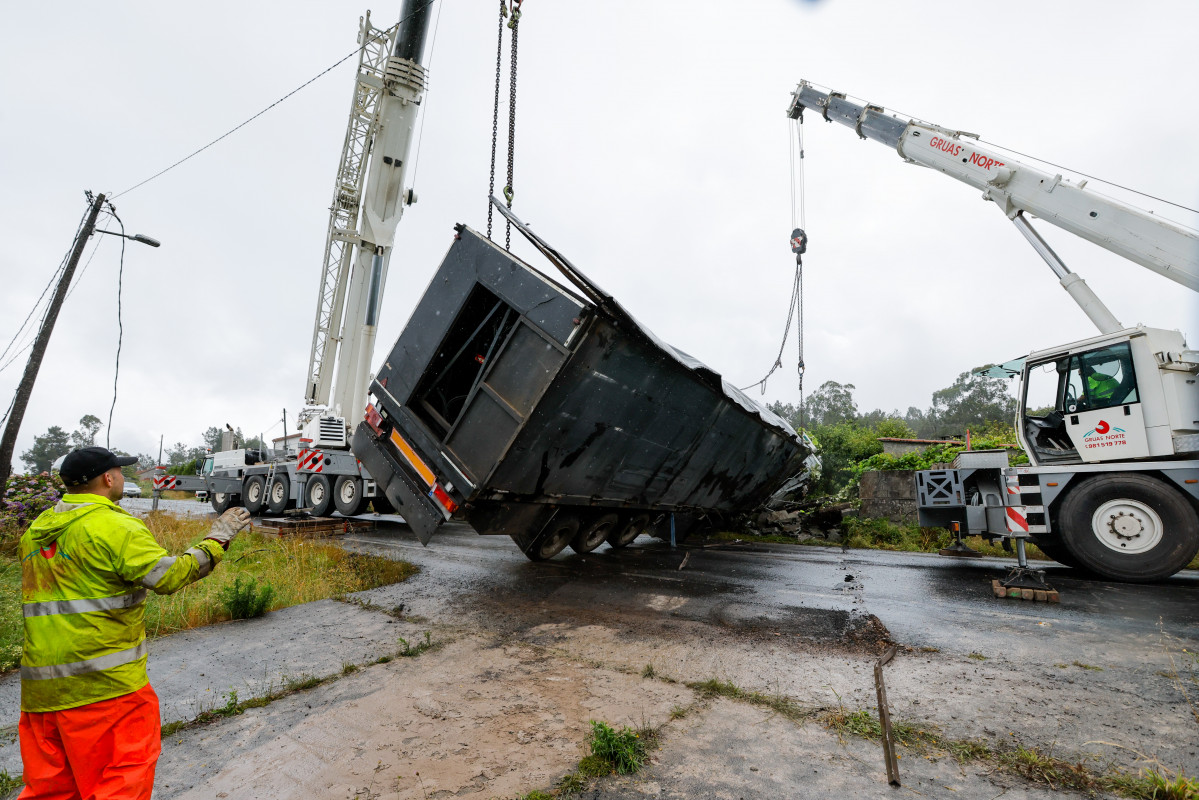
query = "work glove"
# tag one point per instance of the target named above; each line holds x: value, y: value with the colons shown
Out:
x: 227, y: 526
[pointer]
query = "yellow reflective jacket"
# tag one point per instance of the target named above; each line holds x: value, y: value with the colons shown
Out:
x: 86, y: 566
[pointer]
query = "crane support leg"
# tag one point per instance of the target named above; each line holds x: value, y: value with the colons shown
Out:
x: 1077, y: 288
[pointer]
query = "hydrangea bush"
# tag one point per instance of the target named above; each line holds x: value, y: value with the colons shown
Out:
x: 25, y: 497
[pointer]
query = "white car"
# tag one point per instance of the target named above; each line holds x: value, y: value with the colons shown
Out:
x: 132, y: 490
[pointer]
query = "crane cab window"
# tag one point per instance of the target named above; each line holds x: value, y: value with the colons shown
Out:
x: 1102, y: 378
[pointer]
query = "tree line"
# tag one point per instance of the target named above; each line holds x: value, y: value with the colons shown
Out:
x: 846, y: 436
x: 180, y: 458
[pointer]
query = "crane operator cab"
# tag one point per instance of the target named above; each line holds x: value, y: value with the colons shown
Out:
x: 1092, y: 404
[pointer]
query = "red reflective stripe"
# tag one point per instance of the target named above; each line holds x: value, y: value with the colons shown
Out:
x: 1017, y: 519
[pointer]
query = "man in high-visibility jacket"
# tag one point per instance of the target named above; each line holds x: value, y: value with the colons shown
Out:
x: 89, y: 718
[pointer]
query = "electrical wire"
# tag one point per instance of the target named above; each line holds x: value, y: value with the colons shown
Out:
x: 120, y: 329
x: 53, y: 279
x: 236, y: 128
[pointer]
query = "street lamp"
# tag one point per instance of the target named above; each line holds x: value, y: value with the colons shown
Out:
x: 8, y: 441
x: 137, y: 237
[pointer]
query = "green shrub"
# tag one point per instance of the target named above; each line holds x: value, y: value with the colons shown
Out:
x: 624, y: 749
x: 244, y: 599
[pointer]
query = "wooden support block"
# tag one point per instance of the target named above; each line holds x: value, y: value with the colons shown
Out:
x: 1053, y: 596
x: 1028, y: 594
x: 998, y: 589
x: 1042, y: 597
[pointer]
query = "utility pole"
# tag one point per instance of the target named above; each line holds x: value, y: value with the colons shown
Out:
x: 25, y: 387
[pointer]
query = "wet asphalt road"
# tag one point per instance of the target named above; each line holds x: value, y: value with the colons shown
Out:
x: 923, y: 600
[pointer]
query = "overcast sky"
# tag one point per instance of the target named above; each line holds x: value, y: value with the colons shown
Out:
x: 652, y: 149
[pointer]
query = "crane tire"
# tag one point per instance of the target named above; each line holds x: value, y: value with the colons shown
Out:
x: 347, y: 496
x: 253, y: 491
x: 594, y: 533
x: 223, y: 501
x: 554, y: 538
x: 1129, y: 527
x: 1056, y: 549
x: 278, y: 494
x: 318, y: 495
x: 628, y: 530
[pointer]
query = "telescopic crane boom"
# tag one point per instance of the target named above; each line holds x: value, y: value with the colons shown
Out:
x: 1019, y: 189
x: 368, y: 200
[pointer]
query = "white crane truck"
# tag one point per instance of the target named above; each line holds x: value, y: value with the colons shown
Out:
x: 369, y: 198
x: 1112, y: 484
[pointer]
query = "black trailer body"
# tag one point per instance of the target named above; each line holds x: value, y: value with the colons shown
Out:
x: 552, y: 416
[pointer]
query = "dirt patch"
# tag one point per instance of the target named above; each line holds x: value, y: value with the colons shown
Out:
x: 477, y: 717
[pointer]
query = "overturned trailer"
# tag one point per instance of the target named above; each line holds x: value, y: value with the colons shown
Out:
x: 549, y: 414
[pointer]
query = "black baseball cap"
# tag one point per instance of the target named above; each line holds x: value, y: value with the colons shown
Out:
x: 81, y: 465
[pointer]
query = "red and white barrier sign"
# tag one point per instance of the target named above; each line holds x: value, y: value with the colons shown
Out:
x: 311, y: 460
x: 165, y: 482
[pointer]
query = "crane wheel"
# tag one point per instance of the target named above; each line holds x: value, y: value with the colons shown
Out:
x: 594, y: 533
x: 554, y: 538
x: 347, y: 496
x: 625, y: 533
x: 1129, y: 527
x: 318, y: 495
x: 223, y: 501
x: 253, y: 491
x: 278, y: 494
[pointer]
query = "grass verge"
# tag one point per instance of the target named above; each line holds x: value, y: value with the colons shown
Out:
x: 296, y: 571
x: 1087, y: 774
x: 881, y: 534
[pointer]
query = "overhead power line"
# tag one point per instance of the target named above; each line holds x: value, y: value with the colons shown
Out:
x: 236, y: 128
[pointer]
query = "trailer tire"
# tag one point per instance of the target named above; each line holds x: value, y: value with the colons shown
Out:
x: 1129, y: 527
x: 594, y: 533
x: 223, y: 501
x: 347, y: 496
x: 278, y: 497
x: 624, y: 534
x: 554, y: 538
x: 253, y: 489
x: 318, y: 495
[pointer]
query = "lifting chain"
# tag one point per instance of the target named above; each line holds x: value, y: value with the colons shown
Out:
x: 514, y: 14
x: 514, y: 24
x: 495, y: 112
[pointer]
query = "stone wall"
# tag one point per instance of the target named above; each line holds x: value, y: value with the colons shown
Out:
x: 889, y: 494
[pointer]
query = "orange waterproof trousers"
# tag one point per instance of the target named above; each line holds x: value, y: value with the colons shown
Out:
x: 101, y: 751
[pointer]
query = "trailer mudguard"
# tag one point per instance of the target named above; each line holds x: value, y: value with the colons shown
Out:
x: 411, y: 501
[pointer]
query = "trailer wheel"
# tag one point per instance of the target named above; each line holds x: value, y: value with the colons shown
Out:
x: 558, y: 534
x: 253, y: 489
x: 347, y: 496
x: 1129, y: 527
x: 318, y: 495
x: 624, y: 534
x: 222, y: 501
x: 594, y: 533
x: 278, y: 496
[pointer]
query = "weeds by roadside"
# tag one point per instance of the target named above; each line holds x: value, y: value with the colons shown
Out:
x: 1087, y: 774
x: 881, y: 534
x: 778, y: 703
x: 408, y: 650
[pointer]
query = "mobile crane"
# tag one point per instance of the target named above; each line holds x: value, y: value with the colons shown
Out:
x: 369, y: 198
x: 1112, y: 484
